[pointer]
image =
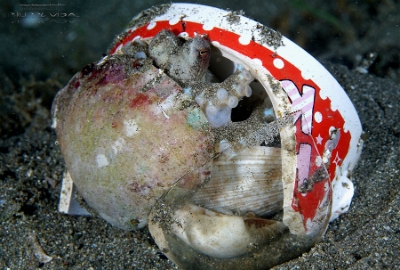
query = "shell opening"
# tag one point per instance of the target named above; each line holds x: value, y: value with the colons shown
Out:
x: 246, y: 90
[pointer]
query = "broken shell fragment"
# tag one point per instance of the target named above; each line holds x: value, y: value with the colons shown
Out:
x: 223, y: 236
x: 209, y: 127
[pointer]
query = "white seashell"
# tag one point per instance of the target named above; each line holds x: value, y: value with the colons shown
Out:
x: 251, y: 181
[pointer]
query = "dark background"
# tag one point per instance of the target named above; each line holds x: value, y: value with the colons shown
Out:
x: 358, y: 41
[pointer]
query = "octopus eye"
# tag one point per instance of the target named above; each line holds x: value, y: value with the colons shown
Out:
x: 204, y: 54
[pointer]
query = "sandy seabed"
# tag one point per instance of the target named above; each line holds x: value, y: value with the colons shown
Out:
x: 39, y: 57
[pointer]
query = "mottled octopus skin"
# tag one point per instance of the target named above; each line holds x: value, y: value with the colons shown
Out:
x: 183, y: 61
x: 121, y: 125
